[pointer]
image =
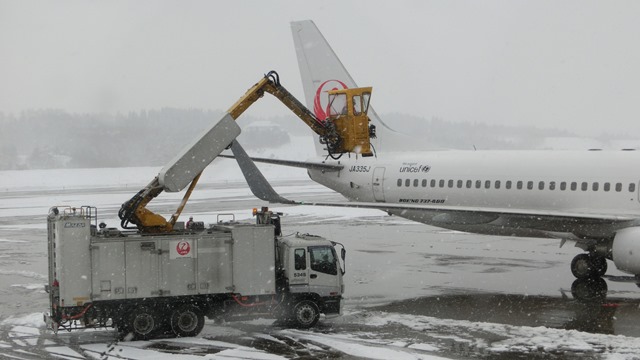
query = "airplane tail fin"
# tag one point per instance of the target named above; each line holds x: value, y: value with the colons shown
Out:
x: 321, y: 70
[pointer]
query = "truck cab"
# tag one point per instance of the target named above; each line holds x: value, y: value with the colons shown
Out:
x: 311, y: 266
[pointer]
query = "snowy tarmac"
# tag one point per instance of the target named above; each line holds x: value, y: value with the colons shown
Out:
x: 412, y: 291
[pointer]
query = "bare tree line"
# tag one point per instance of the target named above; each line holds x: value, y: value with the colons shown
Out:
x: 41, y: 139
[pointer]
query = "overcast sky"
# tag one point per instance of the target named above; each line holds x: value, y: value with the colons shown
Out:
x: 566, y: 64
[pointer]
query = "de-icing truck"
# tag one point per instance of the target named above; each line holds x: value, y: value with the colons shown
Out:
x: 158, y: 277
x: 149, y: 285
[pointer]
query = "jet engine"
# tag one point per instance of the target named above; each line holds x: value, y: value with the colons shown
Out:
x: 626, y: 250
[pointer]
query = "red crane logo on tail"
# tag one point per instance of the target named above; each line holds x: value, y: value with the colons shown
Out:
x: 320, y: 104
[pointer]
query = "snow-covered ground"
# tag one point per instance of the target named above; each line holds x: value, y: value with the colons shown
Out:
x: 412, y: 291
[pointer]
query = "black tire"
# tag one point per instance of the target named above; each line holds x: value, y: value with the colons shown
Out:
x: 586, y: 266
x: 143, y: 323
x: 305, y: 314
x: 582, y: 266
x: 187, y: 321
x: 599, y: 265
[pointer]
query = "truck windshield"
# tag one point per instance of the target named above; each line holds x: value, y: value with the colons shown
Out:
x: 323, y: 259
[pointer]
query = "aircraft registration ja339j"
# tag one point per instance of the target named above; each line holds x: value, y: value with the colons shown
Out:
x: 590, y: 197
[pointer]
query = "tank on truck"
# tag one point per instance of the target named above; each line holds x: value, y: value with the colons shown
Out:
x: 345, y: 130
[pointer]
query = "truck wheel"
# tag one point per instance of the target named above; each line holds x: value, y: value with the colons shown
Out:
x: 187, y: 321
x: 142, y: 323
x: 305, y: 314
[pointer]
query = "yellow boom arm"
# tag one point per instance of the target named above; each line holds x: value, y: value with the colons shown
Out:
x: 345, y: 130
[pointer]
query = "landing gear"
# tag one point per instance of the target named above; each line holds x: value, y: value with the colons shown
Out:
x: 585, y: 266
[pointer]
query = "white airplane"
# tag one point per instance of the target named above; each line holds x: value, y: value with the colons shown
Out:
x: 591, y: 197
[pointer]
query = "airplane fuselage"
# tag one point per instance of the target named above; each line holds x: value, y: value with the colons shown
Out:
x: 585, y: 182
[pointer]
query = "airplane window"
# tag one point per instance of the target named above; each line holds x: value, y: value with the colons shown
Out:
x: 399, y: 182
x: 459, y: 184
x: 424, y: 183
x: 487, y: 184
x: 415, y: 182
x: 584, y: 186
x: 519, y: 185
x: 632, y: 187
x: 469, y: 183
x: 433, y: 183
x: 607, y: 186
x: 563, y: 186
x: 574, y: 186
x: 618, y: 187
x: 450, y: 183
x: 441, y: 183
x: 407, y: 183
x: 508, y: 184
x: 497, y: 184
x: 541, y: 185
x: 552, y: 185
x: 530, y: 185
x: 595, y: 186
x: 478, y: 184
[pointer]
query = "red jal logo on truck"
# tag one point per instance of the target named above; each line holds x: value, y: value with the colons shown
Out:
x: 183, y: 248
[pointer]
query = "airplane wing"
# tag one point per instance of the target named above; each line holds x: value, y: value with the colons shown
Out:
x: 477, y: 215
x: 503, y: 221
x: 259, y: 186
x: 292, y: 163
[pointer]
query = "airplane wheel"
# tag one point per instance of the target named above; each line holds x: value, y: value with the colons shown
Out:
x: 585, y: 266
x: 582, y: 266
x: 599, y: 265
